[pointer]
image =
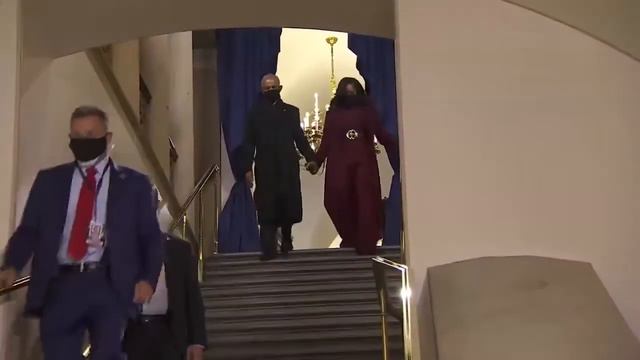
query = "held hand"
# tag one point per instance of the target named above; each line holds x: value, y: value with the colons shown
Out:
x: 195, y: 352
x: 313, y: 167
x: 7, y: 277
x: 143, y: 292
x: 249, y: 178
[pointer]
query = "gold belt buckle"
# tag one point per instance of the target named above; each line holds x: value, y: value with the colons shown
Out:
x: 352, y: 134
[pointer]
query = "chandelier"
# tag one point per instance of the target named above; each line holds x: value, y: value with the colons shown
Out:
x: 313, y: 126
x: 313, y: 122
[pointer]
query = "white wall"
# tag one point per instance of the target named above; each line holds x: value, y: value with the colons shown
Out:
x: 9, y: 63
x: 155, y: 71
x: 519, y: 136
x: 206, y: 133
x: 620, y: 31
x: 126, y: 68
x: 167, y: 68
x: 181, y: 111
x: 9, y: 94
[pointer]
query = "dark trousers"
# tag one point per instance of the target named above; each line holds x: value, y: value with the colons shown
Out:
x: 78, y: 303
x: 268, y: 239
x: 150, y: 339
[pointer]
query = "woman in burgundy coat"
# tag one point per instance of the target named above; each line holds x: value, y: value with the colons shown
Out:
x: 352, y: 194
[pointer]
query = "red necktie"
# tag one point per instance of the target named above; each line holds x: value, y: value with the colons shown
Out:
x: 77, y: 248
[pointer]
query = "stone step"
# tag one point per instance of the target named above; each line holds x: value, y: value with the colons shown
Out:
x: 313, y: 349
x: 310, y: 305
x: 292, y: 312
x: 288, y: 288
x: 322, y: 253
x: 396, y: 354
x: 297, y: 266
x: 217, y: 261
x: 292, y: 278
x: 319, y: 322
x: 326, y: 335
x: 290, y: 299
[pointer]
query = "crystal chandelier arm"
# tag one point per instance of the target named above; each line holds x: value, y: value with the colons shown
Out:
x: 301, y: 140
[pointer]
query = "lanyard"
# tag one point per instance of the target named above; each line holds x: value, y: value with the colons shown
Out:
x: 98, y: 186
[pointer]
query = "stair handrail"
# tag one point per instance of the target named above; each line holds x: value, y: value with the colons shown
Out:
x: 380, y: 266
x: 197, y: 190
x: 18, y: 284
x: 181, y: 219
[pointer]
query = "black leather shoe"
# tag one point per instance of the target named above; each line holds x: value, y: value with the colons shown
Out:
x: 267, y: 257
x: 286, y: 248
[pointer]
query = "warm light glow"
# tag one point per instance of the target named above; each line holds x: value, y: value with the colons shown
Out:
x: 306, y: 120
x: 405, y: 293
x: 316, y: 111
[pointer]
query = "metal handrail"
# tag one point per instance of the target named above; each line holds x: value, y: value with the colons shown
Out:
x: 18, y: 284
x: 181, y: 218
x: 197, y: 190
x: 380, y: 266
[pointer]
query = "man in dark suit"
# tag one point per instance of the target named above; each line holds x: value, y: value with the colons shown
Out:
x: 172, y: 325
x: 97, y: 249
x: 273, y: 139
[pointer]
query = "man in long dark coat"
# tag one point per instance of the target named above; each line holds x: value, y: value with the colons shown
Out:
x: 272, y: 142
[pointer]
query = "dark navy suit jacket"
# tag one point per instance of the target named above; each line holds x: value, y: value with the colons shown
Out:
x: 134, y: 242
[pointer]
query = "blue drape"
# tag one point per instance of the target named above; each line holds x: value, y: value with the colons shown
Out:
x: 376, y: 63
x: 244, y: 56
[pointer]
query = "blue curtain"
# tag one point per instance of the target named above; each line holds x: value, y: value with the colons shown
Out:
x: 377, y: 65
x: 244, y: 56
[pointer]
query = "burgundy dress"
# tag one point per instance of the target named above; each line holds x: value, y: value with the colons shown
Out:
x: 352, y: 193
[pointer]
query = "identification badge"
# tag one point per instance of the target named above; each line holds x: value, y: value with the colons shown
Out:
x: 95, y: 239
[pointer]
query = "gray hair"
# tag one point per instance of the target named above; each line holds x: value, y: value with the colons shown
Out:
x: 90, y: 110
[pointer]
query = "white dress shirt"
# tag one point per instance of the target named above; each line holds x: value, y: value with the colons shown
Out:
x: 159, y: 303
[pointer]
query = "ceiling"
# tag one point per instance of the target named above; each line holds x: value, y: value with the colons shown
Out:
x: 614, y: 22
x: 61, y: 27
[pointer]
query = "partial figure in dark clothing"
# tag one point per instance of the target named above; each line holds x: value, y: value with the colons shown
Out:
x: 352, y: 193
x: 171, y: 325
x: 272, y: 142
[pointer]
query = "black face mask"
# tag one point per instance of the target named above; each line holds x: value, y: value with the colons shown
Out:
x: 272, y: 95
x: 88, y: 149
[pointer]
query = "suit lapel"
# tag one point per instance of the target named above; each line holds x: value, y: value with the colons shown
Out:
x: 116, y: 183
x: 64, y: 193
